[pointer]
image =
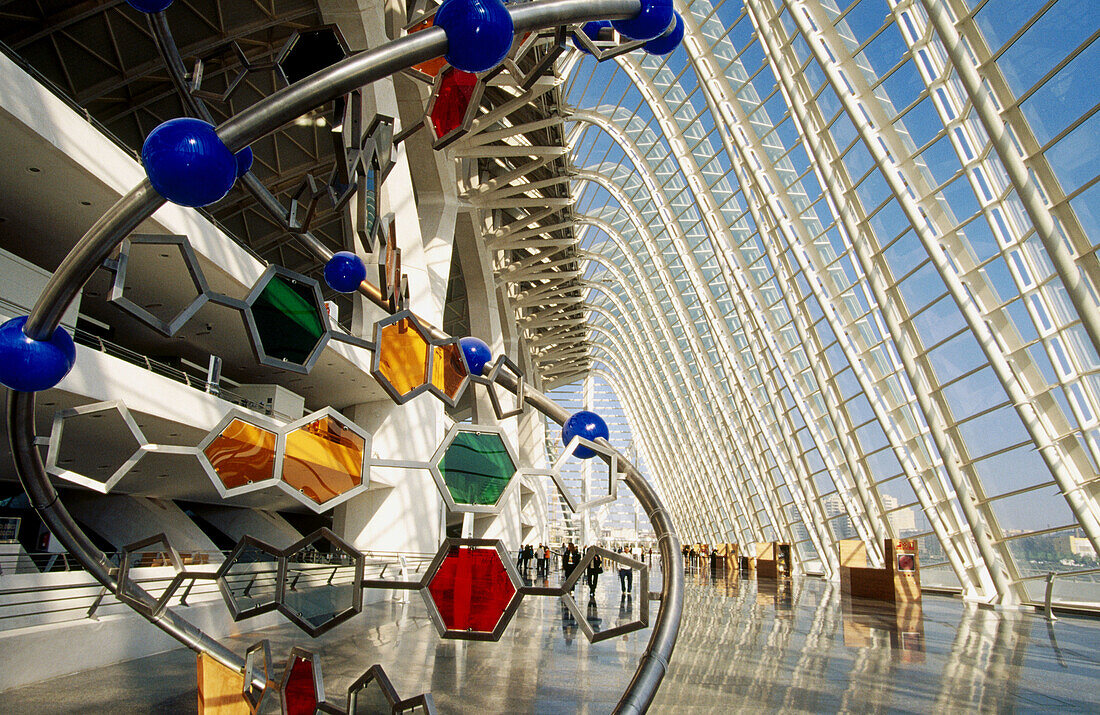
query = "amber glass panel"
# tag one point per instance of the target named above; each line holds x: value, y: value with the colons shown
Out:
x: 403, y: 356
x: 323, y: 459
x: 220, y: 689
x: 242, y: 454
x: 433, y: 66
x: 448, y: 369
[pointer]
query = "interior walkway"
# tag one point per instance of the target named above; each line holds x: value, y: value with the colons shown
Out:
x: 743, y: 646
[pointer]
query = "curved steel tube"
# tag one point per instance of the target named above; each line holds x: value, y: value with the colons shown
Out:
x: 248, y: 126
x: 666, y: 626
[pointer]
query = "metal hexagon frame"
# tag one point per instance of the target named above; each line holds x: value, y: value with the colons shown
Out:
x: 447, y: 400
x: 506, y: 614
x: 471, y: 111
x: 208, y: 467
x: 357, y: 584
x: 612, y: 477
x: 441, y: 483
x: 124, y: 581
x: 280, y: 457
x: 376, y: 359
x: 318, y: 681
x: 378, y: 675
x: 118, y: 285
x: 291, y: 41
x: 606, y: 52
x: 256, y: 699
x: 253, y: 331
x: 223, y: 572
x: 643, y: 606
x: 57, y: 430
x: 502, y: 363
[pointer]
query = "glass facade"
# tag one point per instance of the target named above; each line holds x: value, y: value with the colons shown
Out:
x: 851, y: 243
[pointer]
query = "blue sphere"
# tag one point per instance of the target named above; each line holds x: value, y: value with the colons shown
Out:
x: 150, y: 6
x: 244, y: 160
x: 345, y: 271
x: 477, y: 354
x: 187, y: 163
x: 669, y: 41
x: 592, y: 29
x: 29, y: 365
x: 584, y: 424
x: 651, y: 22
x: 479, y: 33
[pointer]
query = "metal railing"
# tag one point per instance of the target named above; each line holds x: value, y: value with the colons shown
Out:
x: 37, y: 604
x: 1050, y: 577
x: 90, y: 340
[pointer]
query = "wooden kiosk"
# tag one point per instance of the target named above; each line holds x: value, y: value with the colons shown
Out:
x: 898, y: 582
x: 773, y: 560
x: 727, y: 556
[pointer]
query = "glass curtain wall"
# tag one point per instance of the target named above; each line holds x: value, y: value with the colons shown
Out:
x: 842, y: 275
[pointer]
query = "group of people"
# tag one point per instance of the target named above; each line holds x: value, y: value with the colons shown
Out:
x: 541, y: 556
x: 570, y: 556
x: 700, y: 554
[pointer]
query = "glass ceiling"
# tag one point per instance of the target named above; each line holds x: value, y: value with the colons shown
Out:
x: 831, y: 305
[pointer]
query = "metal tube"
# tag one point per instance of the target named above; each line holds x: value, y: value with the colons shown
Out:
x: 371, y: 65
x: 140, y: 203
x: 666, y: 627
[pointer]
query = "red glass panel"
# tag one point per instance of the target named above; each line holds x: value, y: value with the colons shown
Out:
x: 456, y: 91
x: 299, y: 695
x: 471, y: 589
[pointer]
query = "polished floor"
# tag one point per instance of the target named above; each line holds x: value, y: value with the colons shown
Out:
x: 743, y: 647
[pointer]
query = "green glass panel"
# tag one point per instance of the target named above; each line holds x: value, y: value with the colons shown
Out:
x: 288, y: 320
x: 476, y: 468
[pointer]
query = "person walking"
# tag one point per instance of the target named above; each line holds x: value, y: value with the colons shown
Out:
x: 595, y: 568
x: 571, y: 560
x: 626, y: 578
x: 540, y: 561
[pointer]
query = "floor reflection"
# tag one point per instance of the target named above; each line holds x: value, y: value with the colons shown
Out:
x: 744, y: 645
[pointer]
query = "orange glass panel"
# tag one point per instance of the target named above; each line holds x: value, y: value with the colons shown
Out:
x: 433, y: 66
x: 448, y: 369
x: 403, y: 356
x: 323, y: 459
x: 242, y: 454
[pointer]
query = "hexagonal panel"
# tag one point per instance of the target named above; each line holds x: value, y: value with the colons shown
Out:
x: 611, y: 611
x: 449, y: 372
x: 456, y: 96
x: 257, y: 667
x: 372, y: 693
x: 472, y: 589
x: 249, y: 578
x: 150, y: 552
x: 402, y: 357
x: 165, y: 307
x: 321, y: 582
x: 506, y: 403
x: 474, y: 468
x: 604, y: 488
x: 429, y: 69
x: 286, y: 319
x: 302, y: 688
x: 322, y: 459
x: 95, y: 445
x: 239, y: 454
x: 310, y: 51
